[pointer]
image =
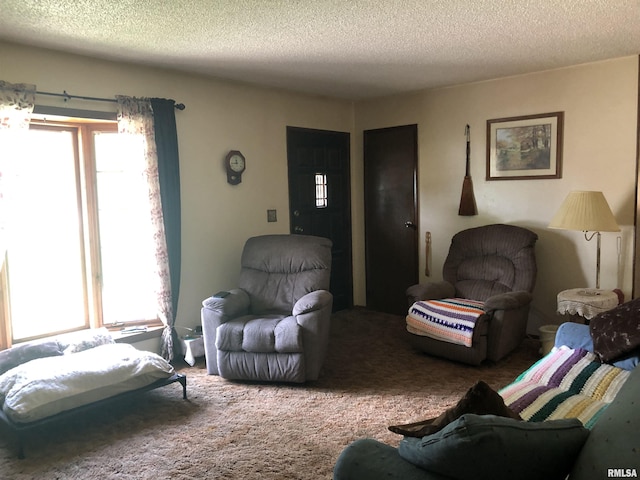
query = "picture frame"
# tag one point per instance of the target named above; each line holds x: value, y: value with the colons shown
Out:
x: 525, y: 148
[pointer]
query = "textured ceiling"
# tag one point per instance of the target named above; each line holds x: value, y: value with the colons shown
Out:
x: 344, y: 48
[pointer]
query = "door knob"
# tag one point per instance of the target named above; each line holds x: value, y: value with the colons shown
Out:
x: 409, y: 224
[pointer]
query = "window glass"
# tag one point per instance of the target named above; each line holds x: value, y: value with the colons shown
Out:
x: 45, y: 269
x: 126, y: 235
x: 80, y: 247
x: 321, y: 190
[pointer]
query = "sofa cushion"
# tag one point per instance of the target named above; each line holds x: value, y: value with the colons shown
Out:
x: 613, y: 442
x: 616, y: 332
x: 369, y: 459
x: 494, y: 448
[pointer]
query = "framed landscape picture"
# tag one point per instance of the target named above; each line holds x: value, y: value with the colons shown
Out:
x: 527, y: 147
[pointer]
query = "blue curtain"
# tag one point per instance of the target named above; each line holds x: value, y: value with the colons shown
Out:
x: 164, y: 120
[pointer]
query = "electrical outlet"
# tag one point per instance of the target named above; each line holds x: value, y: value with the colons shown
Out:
x: 272, y: 216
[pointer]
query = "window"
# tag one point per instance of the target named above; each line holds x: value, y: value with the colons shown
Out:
x: 79, y: 249
x: 125, y: 230
x: 321, y: 190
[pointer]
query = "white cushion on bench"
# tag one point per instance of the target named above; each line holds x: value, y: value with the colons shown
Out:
x: 47, y: 386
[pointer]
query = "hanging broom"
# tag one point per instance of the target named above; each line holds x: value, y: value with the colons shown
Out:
x: 467, y: 200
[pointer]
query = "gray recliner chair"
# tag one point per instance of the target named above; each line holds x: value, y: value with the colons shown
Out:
x: 275, y: 325
x: 494, y: 264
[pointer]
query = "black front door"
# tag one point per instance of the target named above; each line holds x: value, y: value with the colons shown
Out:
x: 320, y: 199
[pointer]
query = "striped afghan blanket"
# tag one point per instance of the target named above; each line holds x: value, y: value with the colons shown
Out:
x: 451, y: 320
x: 566, y: 383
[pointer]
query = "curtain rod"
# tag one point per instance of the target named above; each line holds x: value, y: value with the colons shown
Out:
x: 67, y: 96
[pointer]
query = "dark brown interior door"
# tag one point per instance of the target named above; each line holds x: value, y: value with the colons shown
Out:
x: 320, y: 199
x: 391, y: 234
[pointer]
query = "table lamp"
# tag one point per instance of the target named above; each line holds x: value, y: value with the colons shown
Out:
x: 588, y: 212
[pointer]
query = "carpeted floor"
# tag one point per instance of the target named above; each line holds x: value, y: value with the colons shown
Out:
x: 228, y: 430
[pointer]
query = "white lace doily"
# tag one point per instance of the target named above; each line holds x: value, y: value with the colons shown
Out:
x: 586, y: 302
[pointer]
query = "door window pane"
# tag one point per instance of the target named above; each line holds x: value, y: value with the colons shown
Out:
x: 321, y: 190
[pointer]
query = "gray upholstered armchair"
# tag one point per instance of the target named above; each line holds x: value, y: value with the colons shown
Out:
x: 275, y: 325
x: 494, y: 264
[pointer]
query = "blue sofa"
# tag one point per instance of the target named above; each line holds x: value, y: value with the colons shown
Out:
x: 609, y: 447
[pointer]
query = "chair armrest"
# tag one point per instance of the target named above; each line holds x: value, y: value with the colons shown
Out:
x: 233, y: 305
x: 216, y: 311
x: 313, y: 314
x: 312, y: 301
x: 431, y: 290
x: 508, y: 301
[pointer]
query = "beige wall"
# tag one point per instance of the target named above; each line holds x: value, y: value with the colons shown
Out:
x: 216, y: 217
x: 600, y: 104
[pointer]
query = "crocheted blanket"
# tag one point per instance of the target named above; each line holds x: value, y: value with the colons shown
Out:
x: 451, y: 320
x: 566, y: 383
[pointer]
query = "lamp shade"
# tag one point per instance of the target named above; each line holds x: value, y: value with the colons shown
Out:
x: 586, y: 211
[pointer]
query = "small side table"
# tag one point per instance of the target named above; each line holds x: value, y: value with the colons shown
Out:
x: 586, y: 302
x: 192, y: 347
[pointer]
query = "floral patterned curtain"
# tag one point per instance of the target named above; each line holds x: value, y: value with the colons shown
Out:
x: 135, y: 116
x: 16, y: 106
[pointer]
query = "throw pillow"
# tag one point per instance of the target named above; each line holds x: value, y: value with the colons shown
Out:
x: 81, y: 340
x: 616, y: 332
x: 480, y: 399
x: 25, y: 352
x: 486, y: 447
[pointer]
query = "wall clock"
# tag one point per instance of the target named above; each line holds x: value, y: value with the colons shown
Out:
x: 235, y: 164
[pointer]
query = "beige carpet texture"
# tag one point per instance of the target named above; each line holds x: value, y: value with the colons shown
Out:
x: 371, y: 379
